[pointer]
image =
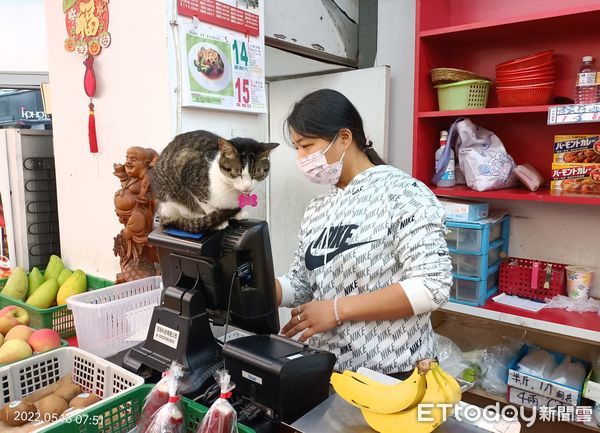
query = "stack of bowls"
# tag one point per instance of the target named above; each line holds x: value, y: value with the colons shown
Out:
x: 527, y: 80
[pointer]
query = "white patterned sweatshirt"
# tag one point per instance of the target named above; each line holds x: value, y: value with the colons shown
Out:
x: 384, y: 228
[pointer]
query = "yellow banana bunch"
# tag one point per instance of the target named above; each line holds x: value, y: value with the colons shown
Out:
x: 427, y: 384
x: 366, y: 393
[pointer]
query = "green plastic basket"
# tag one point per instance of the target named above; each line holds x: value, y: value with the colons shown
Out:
x: 121, y: 413
x: 59, y: 318
x: 463, y: 95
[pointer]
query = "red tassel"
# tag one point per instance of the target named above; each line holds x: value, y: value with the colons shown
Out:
x: 92, y: 130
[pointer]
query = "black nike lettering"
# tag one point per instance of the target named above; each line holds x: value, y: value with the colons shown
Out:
x: 313, y: 262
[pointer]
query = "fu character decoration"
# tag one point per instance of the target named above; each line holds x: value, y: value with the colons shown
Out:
x: 87, y: 33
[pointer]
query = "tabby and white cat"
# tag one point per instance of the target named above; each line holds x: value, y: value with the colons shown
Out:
x: 199, y: 177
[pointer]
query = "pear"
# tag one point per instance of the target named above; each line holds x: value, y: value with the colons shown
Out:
x: 66, y: 273
x: 14, y: 350
x: 17, y: 285
x: 36, y: 279
x: 54, y: 268
x: 75, y: 284
x: 45, y: 295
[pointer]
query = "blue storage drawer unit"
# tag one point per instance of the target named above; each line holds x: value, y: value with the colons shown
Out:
x: 476, y: 251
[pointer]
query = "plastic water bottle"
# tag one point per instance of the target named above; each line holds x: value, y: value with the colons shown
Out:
x: 586, y: 90
x: 448, y: 178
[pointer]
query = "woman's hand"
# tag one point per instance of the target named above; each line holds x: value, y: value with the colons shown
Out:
x: 312, y: 318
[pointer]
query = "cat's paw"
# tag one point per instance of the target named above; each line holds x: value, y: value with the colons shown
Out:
x: 223, y: 226
x: 242, y: 215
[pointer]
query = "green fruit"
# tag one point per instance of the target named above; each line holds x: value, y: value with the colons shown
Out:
x: 54, y: 268
x: 75, y: 284
x: 45, y: 295
x: 36, y: 279
x: 17, y: 285
x: 469, y: 374
x: 66, y: 273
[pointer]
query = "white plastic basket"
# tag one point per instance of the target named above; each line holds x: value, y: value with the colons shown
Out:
x: 92, y: 374
x: 110, y: 320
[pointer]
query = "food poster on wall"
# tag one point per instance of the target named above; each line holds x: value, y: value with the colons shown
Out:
x: 223, y: 56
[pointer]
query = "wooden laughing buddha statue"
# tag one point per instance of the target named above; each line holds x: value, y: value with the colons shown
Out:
x: 135, y: 205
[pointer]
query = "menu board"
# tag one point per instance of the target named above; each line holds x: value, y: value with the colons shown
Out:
x: 223, y: 56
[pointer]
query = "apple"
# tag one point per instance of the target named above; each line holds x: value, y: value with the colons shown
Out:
x: 20, y: 332
x: 14, y: 350
x: 43, y: 340
x: 12, y: 316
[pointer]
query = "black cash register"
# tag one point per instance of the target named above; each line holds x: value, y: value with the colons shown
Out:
x: 226, y: 277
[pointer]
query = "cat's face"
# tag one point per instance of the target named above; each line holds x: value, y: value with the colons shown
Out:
x: 244, y: 162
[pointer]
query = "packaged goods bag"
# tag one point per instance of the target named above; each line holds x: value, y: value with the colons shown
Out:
x: 482, y: 157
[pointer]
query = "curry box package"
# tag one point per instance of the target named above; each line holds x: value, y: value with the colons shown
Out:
x: 577, y: 149
x: 576, y: 178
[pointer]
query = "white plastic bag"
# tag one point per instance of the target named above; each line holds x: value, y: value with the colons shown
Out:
x: 538, y: 363
x: 482, y: 157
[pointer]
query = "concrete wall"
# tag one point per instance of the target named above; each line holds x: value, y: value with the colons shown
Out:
x: 133, y: 108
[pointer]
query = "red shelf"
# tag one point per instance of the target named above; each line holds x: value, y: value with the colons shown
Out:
x: 589, y: 321
x: 551, y: 18
x: 520, y: 194
x: 581, y: 325
x: 486, y: 111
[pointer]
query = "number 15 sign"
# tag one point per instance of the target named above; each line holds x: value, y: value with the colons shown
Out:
x: 223, y: 68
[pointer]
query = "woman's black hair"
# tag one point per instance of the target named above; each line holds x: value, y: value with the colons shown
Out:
x: 323, y: 113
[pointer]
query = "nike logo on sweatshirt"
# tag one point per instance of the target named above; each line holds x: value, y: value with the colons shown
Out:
x: 336, y: 242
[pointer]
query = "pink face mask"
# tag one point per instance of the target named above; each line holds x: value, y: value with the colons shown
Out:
x: 316, y: 168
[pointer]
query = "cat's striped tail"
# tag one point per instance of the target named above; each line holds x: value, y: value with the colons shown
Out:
x: 200, y: 224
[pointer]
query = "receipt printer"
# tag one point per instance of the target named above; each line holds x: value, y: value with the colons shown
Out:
x: 283, y: 377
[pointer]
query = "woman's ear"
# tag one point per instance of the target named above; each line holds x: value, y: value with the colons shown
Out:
x: 345, y: 135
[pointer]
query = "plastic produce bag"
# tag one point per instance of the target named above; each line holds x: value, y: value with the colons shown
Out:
x: 221, y: 417
x: 159, y: 396
x: 538, y: 363
x: 496, y: 361
x: 169, y: 418
x: 448, y: 353
x: 576, y: 305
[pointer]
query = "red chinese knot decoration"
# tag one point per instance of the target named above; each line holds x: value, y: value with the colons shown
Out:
x: 87, y: 33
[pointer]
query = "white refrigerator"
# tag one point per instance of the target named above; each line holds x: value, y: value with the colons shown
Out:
x: 29, y: 224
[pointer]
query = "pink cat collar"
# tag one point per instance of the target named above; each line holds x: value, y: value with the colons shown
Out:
x: 248, y: 200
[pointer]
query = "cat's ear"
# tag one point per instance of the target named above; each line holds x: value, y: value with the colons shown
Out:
x: 227, y: 149
x: 266, y: 148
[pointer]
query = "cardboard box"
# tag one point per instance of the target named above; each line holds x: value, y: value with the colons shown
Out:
x: 541, y: 386
x: 461, y: 210
x: 577, y: 149
x: 576, y: 178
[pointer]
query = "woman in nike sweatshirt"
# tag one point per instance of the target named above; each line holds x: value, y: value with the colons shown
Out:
x: 372, y: 262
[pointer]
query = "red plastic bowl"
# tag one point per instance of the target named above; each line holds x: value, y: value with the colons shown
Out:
x: 538, y: 73
x: 525, y: 80
x: 526, y: 87
x: 527, y: 61
x: 519, y: 96
x: 541, y: 68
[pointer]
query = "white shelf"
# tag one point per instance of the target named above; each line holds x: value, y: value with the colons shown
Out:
x: 541, y: 323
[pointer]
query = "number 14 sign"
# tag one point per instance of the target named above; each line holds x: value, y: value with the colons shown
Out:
x: 222, y: 69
